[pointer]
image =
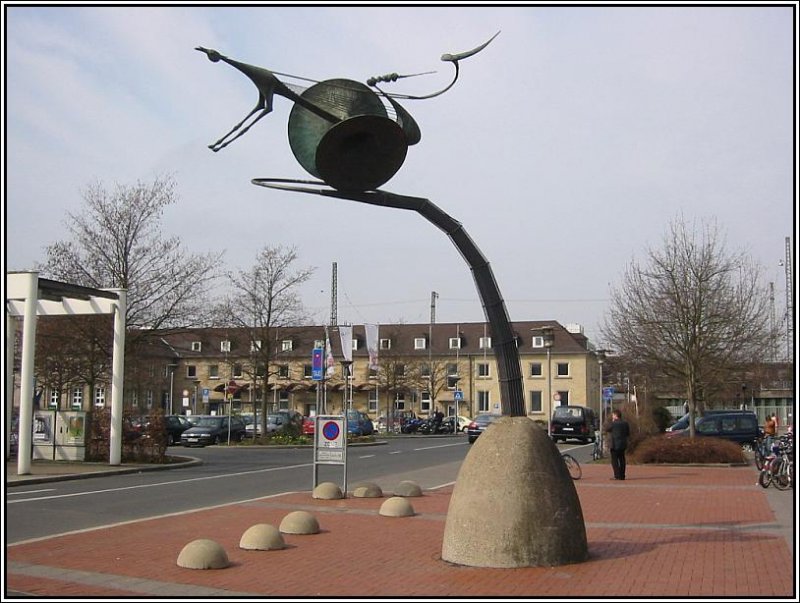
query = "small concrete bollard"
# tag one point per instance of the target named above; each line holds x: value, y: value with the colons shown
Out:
x: 203, y: 554
x: 327, y: 491
x: 262, y: 537
x: 299, y: 522
x: 367, y: 490
x: 396, y: 506
x: 408, y: 488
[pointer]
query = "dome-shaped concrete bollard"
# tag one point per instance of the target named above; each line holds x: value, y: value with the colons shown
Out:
x: 367, y: 490
x: 408, y: 488
x: 203, y: 554
x: 299, y: 522
x: 262, y: 537
x: 327, y: 491
x: 514, y: 503
x: 396, y: 506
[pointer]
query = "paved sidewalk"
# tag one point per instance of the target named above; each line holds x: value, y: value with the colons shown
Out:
x: 668, y: 531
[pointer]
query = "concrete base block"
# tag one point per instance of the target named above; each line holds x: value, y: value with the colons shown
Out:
x: 396, y: 506
x: 408, y: 488
x: 514, y: 503
x: 367, y: 490
x: 327, y: 491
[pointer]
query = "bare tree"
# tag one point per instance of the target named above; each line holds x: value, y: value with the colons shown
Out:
x: 693, y: 311
x: 117, y: 243
x: 264, y: 298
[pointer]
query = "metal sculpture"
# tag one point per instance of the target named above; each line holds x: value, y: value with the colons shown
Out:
x: 340, y: 130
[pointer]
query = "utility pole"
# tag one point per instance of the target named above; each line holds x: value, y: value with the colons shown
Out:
x: 334, y: 294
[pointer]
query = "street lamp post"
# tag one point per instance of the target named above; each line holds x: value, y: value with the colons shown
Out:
x: 548, y: 338
x: 601, y: 358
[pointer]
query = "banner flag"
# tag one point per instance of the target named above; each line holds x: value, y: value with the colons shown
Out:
x: 330, y: 363
x: 346, y: 335
x: 372, y: 345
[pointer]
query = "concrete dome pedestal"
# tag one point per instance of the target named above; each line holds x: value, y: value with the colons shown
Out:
x: 514, y: 503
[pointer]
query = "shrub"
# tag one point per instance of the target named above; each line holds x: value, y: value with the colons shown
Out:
x: 661, y: 449
x: 144, y: 439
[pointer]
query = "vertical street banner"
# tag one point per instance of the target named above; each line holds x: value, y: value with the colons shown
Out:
x: 372, y: 345
x: 316, y: 364
x: 330, y: 363
x: 346, y: 335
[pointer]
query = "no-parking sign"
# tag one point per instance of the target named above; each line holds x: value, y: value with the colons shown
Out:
x: 330, y: 435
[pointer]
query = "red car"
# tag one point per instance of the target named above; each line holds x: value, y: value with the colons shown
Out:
x: 308, y: 425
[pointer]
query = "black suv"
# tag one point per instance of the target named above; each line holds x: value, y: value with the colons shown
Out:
x: 573, y: 422
x: 740, y: 426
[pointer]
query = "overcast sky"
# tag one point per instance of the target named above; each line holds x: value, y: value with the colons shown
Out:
x: 565, y: 148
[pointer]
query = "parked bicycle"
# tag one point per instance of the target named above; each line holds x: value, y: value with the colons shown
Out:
x: 573, y: 466
x: 778, y: 466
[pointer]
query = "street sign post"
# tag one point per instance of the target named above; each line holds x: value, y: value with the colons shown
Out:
x: 330, y: 445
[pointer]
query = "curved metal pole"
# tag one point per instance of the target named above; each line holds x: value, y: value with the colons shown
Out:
x: 512, y: 397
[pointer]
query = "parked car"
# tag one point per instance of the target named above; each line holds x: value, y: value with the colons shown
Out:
x: 175, y: 425
x: 359, y: 423
x: 214, y: 430
x: 683, y: 422
x: 740, y: 426
x: 463, y: 422
x: 309, y: 425
x: 573, y: 422
x: 479, y: 425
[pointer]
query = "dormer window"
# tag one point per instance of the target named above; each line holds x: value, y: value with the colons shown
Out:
x: 255, y: 346
x: 485, y: 343
x: 197, y: 346
x: 419, y: 343
x: 286, y: 345
x: 225, y: 345
x: 455, y: 343
x: 386, y: 344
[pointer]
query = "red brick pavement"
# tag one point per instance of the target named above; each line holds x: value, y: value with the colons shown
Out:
x: 664, y: 532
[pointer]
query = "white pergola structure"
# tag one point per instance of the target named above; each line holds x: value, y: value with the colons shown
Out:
x: 27, y: 297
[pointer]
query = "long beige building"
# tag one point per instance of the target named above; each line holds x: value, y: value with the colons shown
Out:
x: 420, y: 368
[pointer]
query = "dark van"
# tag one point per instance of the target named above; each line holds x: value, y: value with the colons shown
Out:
x: 740, y: 426
x: 573, y: 422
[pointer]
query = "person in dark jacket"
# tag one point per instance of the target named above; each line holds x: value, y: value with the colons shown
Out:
x: 620, y: 432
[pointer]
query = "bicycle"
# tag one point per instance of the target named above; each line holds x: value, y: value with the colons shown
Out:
x: 778, y: 468
x: 573, y: 466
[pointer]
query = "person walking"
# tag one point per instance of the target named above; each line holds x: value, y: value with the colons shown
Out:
x: 619, y: 431
x: 770, y: 431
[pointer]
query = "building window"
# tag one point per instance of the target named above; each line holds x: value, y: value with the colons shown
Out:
x: 197, y: 346
x: 483, y: 369
x: 562, y: 369
x: 400, y: 402
x: 99, y: 395
x: 191, y: 371
x: 452, y: 375
x: 483, y: 401
x: 213, y: 371
x: 225, y: 345
x: 55, y: 398
x: 261, y: 369
x: 306, y: 371
x: 536, y: 369
x: 373, y: 401
x: 355, y: 344
x: 535, y: 400
x: 77, y: 397
x: 372, y: 373
x: 135, y: 398
x: 318, y: 343
x: 237, y: 370
x: 419, y: 343
x: 283, y: 371
x: 283, y: 400
x: 425, y: 370
x: 286, y: 345
x: 564, y: 398
x: 455, y: 343
x: 386, y: 344
x: 538, y: 341
x: 149, y: 397
x: 485, y: 343
x: 400, y: 369
x: 425, y: 402
x: 255, y: 346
